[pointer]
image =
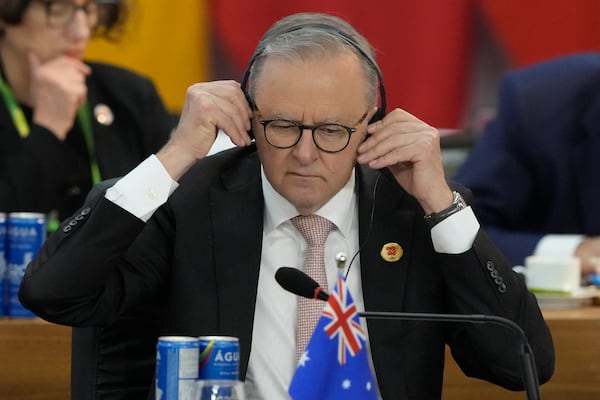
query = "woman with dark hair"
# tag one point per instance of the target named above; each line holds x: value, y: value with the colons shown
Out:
x: 66, y: 124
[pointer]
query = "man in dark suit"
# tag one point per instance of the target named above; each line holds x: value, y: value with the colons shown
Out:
x: 210, y: 252
x: 534, y: 170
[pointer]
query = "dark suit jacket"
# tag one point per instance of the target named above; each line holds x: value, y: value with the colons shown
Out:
x: 200, y: 254
x: 41, y: 173
x: 535, y: 169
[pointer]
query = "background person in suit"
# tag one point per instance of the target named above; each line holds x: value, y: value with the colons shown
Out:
x: 208, y: 246
x: 64, y: 123
x: 534, y: 171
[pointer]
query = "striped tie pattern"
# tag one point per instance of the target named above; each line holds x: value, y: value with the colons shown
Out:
x: 315, y: 230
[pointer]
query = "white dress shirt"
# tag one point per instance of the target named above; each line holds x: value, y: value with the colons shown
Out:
x: 272, y: 355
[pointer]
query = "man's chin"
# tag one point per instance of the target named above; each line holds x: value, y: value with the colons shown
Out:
x: 305, y: 201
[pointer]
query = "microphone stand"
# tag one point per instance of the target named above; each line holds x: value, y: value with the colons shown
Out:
x: 528, y: 368
x: 297, y: 282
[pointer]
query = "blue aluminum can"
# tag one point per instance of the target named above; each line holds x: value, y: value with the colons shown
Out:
x: 3, y: 273
x: 219, y: 358
x: 176, y: 367
x: 26, y: 233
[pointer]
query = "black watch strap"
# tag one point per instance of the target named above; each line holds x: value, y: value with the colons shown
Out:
x: 458, y: 203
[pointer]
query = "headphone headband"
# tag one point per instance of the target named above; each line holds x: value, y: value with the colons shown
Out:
x: 348, y: 39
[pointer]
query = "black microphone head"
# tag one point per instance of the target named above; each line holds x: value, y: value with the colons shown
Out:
x: 295, y: 281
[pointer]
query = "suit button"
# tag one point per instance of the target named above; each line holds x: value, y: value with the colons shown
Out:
x: 489, y: 265
x: 72, y: 222
x: 499, y: 280
x: 502, y: 288
x: 494, y: 274
x: 86, y: 211
x: 79, y: 217
x: 67, y: 229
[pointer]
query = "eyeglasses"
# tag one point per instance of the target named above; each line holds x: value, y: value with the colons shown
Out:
x: 60, y: 13
x: 329, y: 138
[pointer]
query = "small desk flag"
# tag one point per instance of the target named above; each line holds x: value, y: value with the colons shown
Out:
x: 334, y: 364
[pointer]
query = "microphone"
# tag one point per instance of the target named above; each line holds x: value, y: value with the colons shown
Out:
x: 297, y: 282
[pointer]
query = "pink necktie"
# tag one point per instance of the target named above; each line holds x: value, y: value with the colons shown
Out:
x: 315, y: 230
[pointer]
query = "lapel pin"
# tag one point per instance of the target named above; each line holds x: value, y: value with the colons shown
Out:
x: 103, y: 114
x: 391, y: 252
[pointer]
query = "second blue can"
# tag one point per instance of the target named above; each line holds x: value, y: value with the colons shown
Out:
x: 219, y: 358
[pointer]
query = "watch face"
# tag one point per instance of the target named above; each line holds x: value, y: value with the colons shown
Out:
x: 459, y: 201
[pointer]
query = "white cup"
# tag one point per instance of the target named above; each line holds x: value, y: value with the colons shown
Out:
x: 557, y: 275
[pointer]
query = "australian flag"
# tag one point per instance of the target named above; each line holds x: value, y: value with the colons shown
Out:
x: 335, y: 364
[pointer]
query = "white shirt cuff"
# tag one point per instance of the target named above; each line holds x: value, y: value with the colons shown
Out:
x: 455, y: 234
x: 557, y: 245
x: 143, y: 190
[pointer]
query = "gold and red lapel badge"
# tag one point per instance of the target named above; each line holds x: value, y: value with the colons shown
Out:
x: 391, y: 252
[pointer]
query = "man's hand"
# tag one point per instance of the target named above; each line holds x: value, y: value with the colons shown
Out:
x: 588, y: 252
x: 410, y: 149
x: 208, y: 107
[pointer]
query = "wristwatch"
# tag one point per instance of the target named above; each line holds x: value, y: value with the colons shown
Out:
x: 458, y: 203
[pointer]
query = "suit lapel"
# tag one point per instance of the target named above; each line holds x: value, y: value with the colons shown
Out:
x: 382, y: 281
x: 238, y: 221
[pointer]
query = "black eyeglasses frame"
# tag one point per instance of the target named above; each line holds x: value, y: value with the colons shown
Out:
x: 302, y: 127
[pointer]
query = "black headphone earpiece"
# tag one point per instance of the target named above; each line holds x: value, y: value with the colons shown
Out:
x: 379, y: 114
x: 252, y: 107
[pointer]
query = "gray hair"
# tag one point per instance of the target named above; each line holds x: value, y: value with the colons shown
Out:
x: 303, y: 35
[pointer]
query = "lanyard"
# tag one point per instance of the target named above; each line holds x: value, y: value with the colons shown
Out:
x: 84, y: 118
x: 16, y: 112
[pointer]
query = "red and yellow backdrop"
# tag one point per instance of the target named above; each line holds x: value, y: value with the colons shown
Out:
x: 424, y: 47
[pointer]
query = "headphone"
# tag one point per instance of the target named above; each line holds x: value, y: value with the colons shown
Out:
x: 379, y: 114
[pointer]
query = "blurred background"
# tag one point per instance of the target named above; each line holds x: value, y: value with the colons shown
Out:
x: 441, y: 59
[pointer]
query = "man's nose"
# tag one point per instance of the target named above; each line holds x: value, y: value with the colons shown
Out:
x: 306, y: 149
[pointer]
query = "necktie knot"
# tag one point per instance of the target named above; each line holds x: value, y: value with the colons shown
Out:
x: 314, y: 228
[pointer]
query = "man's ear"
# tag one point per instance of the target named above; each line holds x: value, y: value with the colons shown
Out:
x: 372, y: 116
x: 375, y: 115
